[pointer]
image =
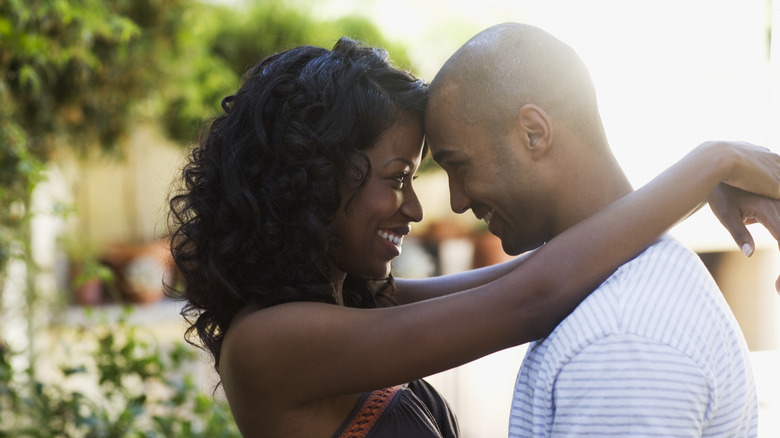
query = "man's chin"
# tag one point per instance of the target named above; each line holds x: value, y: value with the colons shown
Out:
x: 517, y: 248
x: 509, y: 248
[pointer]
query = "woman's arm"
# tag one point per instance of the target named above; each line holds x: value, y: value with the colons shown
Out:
x: 733, y: 207
x: 302, y: 352
x: 623, y: 229
x: 411, y: 290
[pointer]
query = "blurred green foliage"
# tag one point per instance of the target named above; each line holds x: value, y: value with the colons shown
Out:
x: 79, y: 75
x: 81, y: 72
x: 220, y: 43
x: 111, y: 380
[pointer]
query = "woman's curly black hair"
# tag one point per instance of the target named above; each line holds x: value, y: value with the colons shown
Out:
x: 251, y: 224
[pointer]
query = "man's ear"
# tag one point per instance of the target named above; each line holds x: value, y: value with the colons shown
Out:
x: 535, y: 130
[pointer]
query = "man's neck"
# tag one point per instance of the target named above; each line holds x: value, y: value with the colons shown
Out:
x: 595, y: 189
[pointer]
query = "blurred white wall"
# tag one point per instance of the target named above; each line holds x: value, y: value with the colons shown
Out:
x: 124, y: 201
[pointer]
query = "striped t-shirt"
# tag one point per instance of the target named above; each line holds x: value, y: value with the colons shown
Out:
x: 654, y: 352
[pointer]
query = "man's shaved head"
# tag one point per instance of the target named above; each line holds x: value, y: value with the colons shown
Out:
x: 510, y: 65
x: 513, y: 120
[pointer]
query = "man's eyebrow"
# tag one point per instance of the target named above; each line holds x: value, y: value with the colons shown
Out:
x: 440, y: 156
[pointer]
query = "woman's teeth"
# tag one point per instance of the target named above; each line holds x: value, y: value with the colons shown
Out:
x: 393, y: 238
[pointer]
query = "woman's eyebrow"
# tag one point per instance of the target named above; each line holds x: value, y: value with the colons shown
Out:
x: 403, y: 160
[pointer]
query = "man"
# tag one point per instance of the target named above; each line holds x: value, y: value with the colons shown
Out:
x: 655, y: 351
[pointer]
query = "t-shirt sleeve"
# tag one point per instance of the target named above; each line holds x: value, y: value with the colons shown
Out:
x: 627, y: 385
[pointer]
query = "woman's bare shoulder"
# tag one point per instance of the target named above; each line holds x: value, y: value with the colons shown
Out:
x: 265, y: 363
x: 255, y: 331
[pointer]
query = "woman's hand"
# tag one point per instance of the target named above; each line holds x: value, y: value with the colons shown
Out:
x: 736, y: 208
x: 748, y: 167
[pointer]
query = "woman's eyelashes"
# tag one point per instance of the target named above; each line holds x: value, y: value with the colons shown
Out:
x: 401, y: 179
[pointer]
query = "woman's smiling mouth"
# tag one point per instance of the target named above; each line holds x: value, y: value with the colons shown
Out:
x: 395, y: 239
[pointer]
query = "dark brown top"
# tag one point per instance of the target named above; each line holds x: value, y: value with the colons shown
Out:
x: 414, y: 410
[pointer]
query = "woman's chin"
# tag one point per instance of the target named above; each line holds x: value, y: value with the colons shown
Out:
x: 379, y: 274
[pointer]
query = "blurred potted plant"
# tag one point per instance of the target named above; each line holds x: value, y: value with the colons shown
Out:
x: 90, y: 282
x: 141, y: 270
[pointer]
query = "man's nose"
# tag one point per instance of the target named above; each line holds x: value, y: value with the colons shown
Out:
x: 459, y: 200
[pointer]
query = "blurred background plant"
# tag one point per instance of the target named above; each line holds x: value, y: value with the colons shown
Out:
x: 77, y: 77
x: 80, y: 74
x: 109, y: 379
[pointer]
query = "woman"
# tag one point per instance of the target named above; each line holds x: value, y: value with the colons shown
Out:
x: 294, y: 206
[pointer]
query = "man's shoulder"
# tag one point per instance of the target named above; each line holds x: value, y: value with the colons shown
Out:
x: 658, y: 256
x: 657, y: 294
x: 661, y: 308
x: 665, y: 268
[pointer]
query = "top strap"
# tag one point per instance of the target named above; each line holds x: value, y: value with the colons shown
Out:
x: 369, y: 413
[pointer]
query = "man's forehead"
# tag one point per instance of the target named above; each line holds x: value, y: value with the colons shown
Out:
x: 440, y: 131
x: 444, y: 90
x: 441, y: 111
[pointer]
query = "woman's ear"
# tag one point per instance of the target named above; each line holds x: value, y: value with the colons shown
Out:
x: 535, y: 129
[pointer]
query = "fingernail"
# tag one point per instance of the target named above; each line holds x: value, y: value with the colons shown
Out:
x: 747, y: 249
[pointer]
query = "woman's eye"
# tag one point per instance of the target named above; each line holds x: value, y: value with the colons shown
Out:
x: 399, y: 180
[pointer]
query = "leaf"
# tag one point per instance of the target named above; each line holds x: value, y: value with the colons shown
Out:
x: 28, y: 78
x: 71, y: 370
